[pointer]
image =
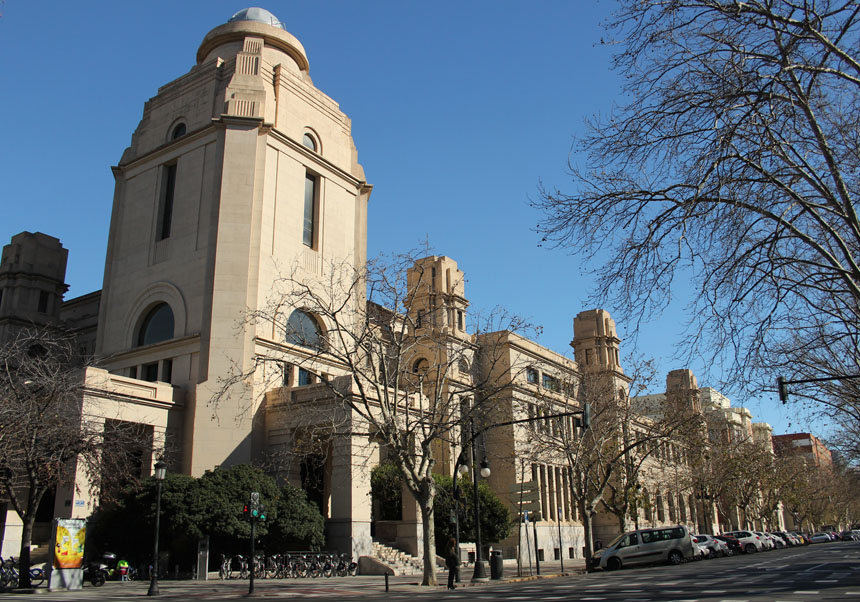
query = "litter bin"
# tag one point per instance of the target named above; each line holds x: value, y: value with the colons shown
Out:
x: 497, y: 567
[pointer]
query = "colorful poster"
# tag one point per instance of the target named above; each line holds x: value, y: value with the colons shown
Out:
x: 69, y: 547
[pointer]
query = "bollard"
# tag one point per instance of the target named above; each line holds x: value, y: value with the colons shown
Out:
x: 386, y: 581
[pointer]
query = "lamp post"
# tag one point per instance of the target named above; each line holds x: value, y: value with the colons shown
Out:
x: 160, y: 472
x: 480, y: 573
x: 460, y: 468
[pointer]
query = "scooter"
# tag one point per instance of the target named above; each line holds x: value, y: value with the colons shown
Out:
x: 96, y: 573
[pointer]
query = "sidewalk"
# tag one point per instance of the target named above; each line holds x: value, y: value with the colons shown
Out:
x: 343, y: 586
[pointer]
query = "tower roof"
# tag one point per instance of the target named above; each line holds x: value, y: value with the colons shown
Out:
x: 260, y: 15
x: 254, y: 21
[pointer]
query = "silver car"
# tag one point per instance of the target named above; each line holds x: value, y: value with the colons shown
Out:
x: 670, y: 544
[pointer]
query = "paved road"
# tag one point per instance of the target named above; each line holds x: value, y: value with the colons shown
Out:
x: 818, y: 572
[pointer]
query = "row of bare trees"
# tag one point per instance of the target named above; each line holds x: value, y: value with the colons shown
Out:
x: 729, y: 176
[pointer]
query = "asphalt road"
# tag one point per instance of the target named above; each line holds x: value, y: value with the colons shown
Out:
x: 818, y: 572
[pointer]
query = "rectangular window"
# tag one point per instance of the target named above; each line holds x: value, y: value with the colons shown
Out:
x: 556, y: 553
x: 132, y: 372
x: 1, y: 297
x: 167, y: 371
x: 43, y: 302
x: 305, y: 377
x: 310, y: 213
x: 286, y: 371
x: 550, y: 382
x: 420, y: 319
x: 150, y: 372
x: 165, y: 213
x: 570, y: 553
x: 532, y: 375
x: 459, y: 320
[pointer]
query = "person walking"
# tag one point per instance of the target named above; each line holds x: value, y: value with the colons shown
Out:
x: 452, y: 561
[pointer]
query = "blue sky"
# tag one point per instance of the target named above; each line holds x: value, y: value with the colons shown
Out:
x: 459, y: 111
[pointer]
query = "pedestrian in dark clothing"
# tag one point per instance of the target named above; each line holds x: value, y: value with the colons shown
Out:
x: 452, y: 561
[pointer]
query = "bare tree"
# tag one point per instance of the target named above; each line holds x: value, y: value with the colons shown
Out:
x: 386, y: 343
x: 733, y: 165
x: 45, y: 431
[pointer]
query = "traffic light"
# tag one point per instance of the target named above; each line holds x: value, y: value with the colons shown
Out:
x: 783, y: 389
x: 246, y: 511
x: 586, y: 415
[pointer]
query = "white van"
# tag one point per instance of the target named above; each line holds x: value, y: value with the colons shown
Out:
x: 645, y: 546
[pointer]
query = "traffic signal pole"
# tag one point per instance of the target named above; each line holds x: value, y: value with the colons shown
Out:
x: 253, y: 560
x: 782, y: 384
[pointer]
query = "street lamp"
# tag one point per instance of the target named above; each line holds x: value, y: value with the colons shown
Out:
x: 480, y: 573
x: 460, y: 468
x: 160, y: 473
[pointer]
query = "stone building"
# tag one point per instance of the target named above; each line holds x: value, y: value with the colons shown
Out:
x: 239, y: 171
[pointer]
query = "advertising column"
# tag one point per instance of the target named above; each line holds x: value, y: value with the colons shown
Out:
x: 68, y: 562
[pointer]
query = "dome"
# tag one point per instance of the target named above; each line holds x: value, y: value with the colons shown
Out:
x: 260, y: 15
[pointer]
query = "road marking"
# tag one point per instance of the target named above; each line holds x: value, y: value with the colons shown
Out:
x: 714, y: 591
x: 592, y: 598
x: 817, y: 566
x: 802, y: 591
x: 826, y: 580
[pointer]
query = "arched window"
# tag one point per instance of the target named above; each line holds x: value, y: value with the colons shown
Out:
x: 646, y: 502
x: 421, y: 366
x: 157, y: 326
x: 178, y: 131
x: 303, y: 329
x: 661, y: 512
x: 309, y: 142
x: 463, y: 366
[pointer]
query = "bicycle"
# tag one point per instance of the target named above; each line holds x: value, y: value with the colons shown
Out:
x: 9, y: 576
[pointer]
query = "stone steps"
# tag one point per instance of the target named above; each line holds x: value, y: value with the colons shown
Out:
x: 399, y: 561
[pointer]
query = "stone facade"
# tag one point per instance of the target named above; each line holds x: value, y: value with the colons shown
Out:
x: 239, y: 172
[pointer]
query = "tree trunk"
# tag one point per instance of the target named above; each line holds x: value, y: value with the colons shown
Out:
x: 589, y: 535
x: 428, y: 528
x: 24, y: 554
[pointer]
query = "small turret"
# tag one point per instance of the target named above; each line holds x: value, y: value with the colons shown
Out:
x: 595, y: 341
x: 439, y: 305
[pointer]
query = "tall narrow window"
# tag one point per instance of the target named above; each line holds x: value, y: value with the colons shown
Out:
x: 310, y: 221
x: 166, y: 210
x: 43, y: 302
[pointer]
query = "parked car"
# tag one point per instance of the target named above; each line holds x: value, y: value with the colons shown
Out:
x: 788, y: 539
x: 766, y: 542
x: 715, y: 546
x: 671, y: 544
x: 732, y: 543
x: 700, y: 550
x: 750, y: 542
x: 778, y: 541
x: 820, y: 538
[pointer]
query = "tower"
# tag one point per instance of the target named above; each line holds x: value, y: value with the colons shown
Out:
x: 595, y: 341
x: 239, y: 170
x: 32, y: 282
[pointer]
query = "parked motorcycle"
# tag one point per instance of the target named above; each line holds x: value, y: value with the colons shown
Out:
x: 96, y: 573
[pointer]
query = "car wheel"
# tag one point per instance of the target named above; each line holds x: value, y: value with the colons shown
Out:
x: 675, y: 557
x: 749, y: 548
x: 613, y: 564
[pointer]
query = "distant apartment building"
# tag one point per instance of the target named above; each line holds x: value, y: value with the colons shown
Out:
x: 804, y: 445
